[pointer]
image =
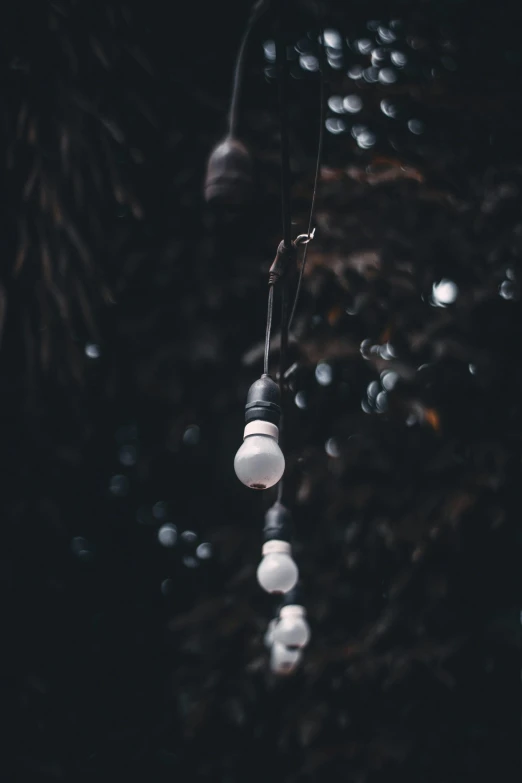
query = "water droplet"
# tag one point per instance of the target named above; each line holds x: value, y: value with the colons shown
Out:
x: 119, y: 485
x: 168, y: 535
x: 300, y: 400
x: 352, y: 104
x: 92, y: 351
x: 204, y: 551
x: 323, y: 374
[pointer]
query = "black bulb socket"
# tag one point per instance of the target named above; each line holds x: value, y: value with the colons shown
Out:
x: 228, y: 180
x: 263, y: 401
x: 278, y: 524
x: 293, y: 597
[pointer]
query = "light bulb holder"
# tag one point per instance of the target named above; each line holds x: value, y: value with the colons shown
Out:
x: 278, y: 523
x: 229, y: 179
x: 293, y: 597
x: 263, y: 401
x: 292, y: 610
x: 275, y: 547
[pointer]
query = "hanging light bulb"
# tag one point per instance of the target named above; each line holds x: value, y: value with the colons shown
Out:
x: 269, y: 633
x: 292, y: 629
x: 277, y: 572
x: 283, y: 660
x: 228, y: 179
x: 259, y: 462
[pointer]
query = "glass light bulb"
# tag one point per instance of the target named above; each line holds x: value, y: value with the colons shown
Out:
x: 283, y: 660
x: 260, y: 463
x: 269, y: 633
x: 277, y: 572
x: 292, y: 629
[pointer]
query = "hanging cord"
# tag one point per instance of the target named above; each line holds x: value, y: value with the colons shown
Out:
x: 286, y: 250
x: 317, y: 171
x: 282, y: 69
x: 257, y: 11
x: 268, y: 327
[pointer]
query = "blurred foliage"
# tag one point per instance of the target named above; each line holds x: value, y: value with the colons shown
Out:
x: 132, y: 325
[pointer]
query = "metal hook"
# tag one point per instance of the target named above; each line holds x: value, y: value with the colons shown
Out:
x: 304, y: 239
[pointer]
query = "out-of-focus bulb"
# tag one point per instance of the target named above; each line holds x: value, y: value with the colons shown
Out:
x: 277, y: 572
x: 269, y: 633
x: 292, y: 629
x: 283, y: 660
x: 260, y: 463
x: 229, y: 173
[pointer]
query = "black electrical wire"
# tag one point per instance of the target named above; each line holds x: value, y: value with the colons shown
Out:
x: 282, y: 69
x: 268, y: 328
x: 317, y: 171
x: 257, y: 10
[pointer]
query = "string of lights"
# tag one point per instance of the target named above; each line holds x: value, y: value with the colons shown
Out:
x: 259, y: 462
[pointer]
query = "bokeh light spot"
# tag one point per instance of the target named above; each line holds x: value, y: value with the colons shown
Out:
x: 168, y: 535
x: 323, y: 374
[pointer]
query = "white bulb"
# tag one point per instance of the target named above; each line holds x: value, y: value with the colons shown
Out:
x: 292, y: 629
x: 269, y: 633
x: 259, y: 463
x: 283, y: 660
x: 277, y: 572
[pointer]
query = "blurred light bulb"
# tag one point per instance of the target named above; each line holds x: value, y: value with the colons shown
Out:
x: 260, y: 463
x: 283, y: 660
x: 277, y: 572
x: 292, y: 630
x: 269, y: 633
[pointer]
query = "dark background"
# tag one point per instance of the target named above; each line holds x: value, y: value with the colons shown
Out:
x: 132, y: 320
